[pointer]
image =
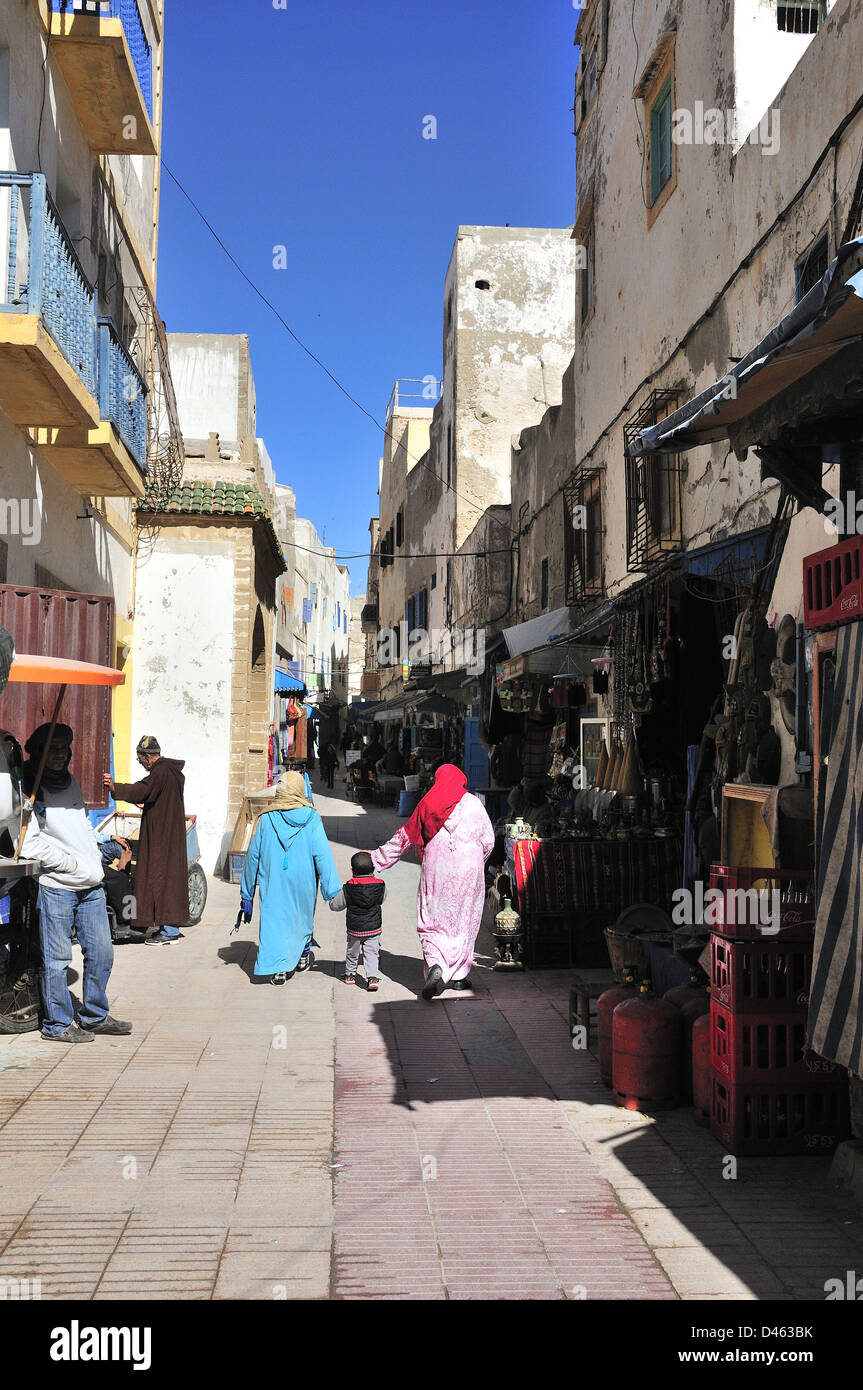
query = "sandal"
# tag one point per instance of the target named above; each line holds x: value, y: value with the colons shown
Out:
x: 372, y: 983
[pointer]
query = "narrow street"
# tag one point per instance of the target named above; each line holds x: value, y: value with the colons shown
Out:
x: 316, y: 1142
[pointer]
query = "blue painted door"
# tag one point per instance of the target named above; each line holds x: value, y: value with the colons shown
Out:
x: 475, y: 756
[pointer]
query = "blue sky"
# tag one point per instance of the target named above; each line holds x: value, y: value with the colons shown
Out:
x: 303, y: 127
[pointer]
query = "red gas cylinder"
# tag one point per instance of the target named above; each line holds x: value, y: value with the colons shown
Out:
x: 702, y: 1074
x: 646, y: 1062
x: 681, y: 994
x: 605, y: 1007
x: 696, y: 1008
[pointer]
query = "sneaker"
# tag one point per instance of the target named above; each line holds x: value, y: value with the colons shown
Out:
x: 349, y: 979
x: 372, y: 983
x: 306, y: 962
x: 160, y: 940
x: 114, y: 1026
x: 72, y: 1034
x: 279, y: 978
x: 434, y: 982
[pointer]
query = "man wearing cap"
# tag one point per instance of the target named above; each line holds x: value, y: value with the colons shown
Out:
x: 60, y: 836
x: 162, y: 872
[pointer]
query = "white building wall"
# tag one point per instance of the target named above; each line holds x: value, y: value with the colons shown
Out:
x: 182, y: 673
x: 206, y: 372
x: 505, y: 350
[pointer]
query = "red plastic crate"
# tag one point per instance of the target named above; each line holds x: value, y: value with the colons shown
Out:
x: 760, y: 977
x: 773, y: 1120
x: 833, y: 585
x: 765, y: 1049
x: 796, y: 889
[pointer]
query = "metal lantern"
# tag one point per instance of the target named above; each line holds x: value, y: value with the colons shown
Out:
x: 508, y: 938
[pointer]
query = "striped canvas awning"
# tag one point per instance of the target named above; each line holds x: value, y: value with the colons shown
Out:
x: 835, y: 1009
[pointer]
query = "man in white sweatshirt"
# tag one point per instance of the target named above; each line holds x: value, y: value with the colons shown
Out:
x: 71, y: 896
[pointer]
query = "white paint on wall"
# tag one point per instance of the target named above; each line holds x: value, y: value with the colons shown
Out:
x: 182, y: 673
x: 206, y: 372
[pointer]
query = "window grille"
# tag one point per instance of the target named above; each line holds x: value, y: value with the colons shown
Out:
x: 584, y: 533
x: 654, y: 490
x: 800, y: 16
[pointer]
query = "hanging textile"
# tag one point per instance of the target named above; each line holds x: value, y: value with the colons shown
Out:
x: 690, y: 846
x: 835, y: 1011
x: 272, y: 759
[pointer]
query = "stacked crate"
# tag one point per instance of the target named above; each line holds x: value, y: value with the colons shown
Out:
x: 770, y: 1094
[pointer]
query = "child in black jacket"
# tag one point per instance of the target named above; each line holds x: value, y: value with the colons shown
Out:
x: 361, y: 898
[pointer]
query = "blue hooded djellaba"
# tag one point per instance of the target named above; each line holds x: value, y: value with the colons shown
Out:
x: 287, y: 858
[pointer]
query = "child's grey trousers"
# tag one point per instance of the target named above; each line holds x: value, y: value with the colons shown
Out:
x: 370, y: 947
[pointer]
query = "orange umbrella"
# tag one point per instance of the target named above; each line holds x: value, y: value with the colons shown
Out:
x: 58, y: 670
x: 55, y: 670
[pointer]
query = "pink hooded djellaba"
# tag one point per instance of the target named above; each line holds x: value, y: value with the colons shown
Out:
x: 454, y: 837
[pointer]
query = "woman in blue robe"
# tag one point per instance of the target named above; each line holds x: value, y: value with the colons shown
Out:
x: 287, y: 858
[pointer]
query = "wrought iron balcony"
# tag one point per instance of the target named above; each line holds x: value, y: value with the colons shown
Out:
x: 45, y: 288
x: 50, y: 350
x: 122, y: 392
x: 107, y: 61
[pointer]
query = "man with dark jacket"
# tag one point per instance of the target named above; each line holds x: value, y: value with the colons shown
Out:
x: 162, y: 872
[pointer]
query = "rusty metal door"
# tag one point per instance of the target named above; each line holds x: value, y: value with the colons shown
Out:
x: 58, y: 622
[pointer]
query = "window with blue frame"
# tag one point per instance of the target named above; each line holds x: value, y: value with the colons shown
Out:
x: 307, y: 610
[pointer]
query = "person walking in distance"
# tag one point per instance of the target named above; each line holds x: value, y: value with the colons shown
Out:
x: 162, y: 873
x: 71, y: 895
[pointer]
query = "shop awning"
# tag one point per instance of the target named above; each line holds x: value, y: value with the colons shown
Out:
x: 391, y: 709
x: 432, y: 704
x: 826, y: 322
x: 363, y: 709
x: 737, y: 560
x: 538, y: 632
x: 288, y: 685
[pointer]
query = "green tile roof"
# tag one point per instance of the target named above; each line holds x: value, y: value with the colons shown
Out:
x: 216, y: 499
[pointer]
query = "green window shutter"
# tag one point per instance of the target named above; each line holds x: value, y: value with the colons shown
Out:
x: 660, y: 141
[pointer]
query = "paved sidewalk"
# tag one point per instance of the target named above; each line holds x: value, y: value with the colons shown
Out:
x: 471, y: 1152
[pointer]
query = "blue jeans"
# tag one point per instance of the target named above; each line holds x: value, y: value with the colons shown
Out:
x: 59, y: 910
x: 172, y: 932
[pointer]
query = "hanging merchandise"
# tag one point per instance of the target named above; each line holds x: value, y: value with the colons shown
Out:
x: 602, y: 766
x: 272, y: 757
x: 640, y: 699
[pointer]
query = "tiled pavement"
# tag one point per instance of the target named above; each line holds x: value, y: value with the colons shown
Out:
x: 471, y: 1152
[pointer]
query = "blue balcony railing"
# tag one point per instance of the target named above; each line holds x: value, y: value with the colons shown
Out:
x: 122, y: 391
x: 44, y: 277
x: 130, y: 16
x: 43, y: 273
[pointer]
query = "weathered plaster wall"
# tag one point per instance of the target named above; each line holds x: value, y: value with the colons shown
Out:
x: 206, y: 371
x: 654, y: 286
x: 183, y: 670
x: 403, y: 467
x: 505, y: 350
x: 542, y: 459
x: 482, y: 576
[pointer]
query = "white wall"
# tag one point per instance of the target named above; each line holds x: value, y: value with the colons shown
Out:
x: 206, y: 372
x: 182, y: 672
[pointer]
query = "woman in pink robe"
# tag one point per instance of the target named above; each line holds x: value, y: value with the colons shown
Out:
x: 453, y: 836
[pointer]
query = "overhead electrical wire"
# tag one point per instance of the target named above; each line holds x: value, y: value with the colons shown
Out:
x: 309, y: 353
